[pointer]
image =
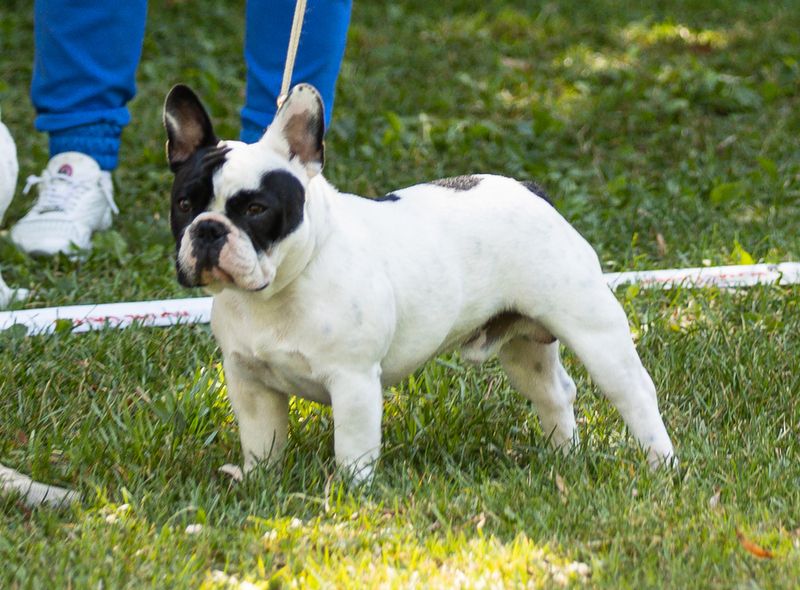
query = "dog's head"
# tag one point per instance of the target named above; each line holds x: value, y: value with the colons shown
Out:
x: 238, y: 209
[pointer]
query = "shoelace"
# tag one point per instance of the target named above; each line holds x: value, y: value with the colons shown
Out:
x: 60, y: 192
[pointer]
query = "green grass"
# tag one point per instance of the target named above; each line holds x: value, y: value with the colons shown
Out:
x: 677, y: 120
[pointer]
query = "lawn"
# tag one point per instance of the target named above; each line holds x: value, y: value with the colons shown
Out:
x: 667, y: 133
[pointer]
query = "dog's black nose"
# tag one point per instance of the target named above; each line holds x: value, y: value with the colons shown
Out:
x: 209, y: 231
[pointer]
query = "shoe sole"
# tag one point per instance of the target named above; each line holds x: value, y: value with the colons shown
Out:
x: 105, y: 223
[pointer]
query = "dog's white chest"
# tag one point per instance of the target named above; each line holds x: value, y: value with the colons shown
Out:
x: 285, y: 372
x: 261, y: 353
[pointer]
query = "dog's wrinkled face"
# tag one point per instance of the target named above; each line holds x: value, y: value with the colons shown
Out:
x: 236, y: 207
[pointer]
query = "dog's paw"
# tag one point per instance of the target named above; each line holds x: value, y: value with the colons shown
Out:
x: 233, y: 471
x: 662, y: 458
x: 359, y: 475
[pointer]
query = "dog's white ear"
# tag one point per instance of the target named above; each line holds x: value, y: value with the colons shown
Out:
x: 188, y: 126
x: 299, y: 128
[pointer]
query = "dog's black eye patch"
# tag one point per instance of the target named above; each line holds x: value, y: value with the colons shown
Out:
x: 271, y: 212
x: 193, y: 187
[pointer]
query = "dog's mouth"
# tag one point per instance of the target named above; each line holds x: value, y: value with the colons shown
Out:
x: 216, y: 278
x: 215, y: 274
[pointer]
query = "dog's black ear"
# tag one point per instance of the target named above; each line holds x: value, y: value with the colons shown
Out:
x: 188, y: 126
x: 299, y: 128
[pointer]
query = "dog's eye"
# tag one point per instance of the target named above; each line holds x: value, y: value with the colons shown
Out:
x: 184, y: 205
x: 255, y: 209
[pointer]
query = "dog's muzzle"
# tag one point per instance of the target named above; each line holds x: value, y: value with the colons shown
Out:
x: 214, y: 253
x: 208, y: 238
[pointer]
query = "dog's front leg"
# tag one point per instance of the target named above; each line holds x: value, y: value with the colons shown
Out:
x: 263, y: 417
x: 357, y: 402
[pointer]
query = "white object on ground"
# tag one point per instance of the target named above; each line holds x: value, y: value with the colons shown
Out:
x: 746, y: 275
x: 9, y: 169
x: 33, y: 492
x: 167, y: 312
x: 197, y: 310
x: 75, y: 199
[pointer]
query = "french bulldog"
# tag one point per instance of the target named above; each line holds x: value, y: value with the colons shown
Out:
x: 332, y: 297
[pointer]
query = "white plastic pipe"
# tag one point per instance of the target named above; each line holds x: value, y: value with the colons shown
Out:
x: 197, y: 310
x: 82, y: 318
x: 785, y: 273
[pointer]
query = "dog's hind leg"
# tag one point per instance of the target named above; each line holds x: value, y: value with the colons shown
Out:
x: 534, y: 370
x: 593, y: 325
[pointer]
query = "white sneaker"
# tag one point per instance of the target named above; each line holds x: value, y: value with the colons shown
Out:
x: 75, y: 199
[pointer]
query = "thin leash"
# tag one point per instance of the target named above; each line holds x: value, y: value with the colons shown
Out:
x: 291, y: 52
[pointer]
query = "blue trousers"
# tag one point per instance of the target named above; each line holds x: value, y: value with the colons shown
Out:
x: 87, y: 52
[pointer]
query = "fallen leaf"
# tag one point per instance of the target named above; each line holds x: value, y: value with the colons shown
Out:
x: 515, y: 64
x: 563, y: 491
x: 740, y: 255
x: 753, y: 548
x: 726, y: 143
x: 144, y: 397
x: 661, y: 244
x: 480, y: 520
x: 726, y: 192
x: 713, y: 501
x: 327, y: 493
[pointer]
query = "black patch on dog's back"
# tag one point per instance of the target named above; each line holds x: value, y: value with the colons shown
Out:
x: 281, y: 195
x: 390, y: 198
x: 458, y: 183
x: 537, y: 190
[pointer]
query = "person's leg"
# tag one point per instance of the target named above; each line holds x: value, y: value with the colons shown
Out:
x: 86, y: 54
x: 319, y: 56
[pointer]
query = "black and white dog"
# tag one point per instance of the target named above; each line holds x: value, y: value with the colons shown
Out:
x: 333, y: 297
